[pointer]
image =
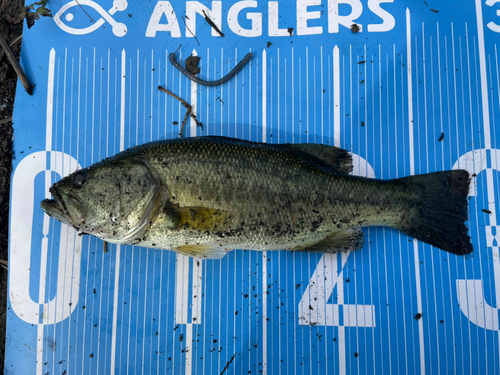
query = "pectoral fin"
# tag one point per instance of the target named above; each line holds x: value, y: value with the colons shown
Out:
x: 202, y: 218
x: 204, y: 251
x: 340, y: 241
x: 196, y: 218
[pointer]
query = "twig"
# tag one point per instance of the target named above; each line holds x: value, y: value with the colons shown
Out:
x: 218, y: 82
x: 6, y: 120
x: 4, y: 263
x: 17, y: 40
x: 88, y: 15
x: 211, y: 23
x: 227, y: 365
x: 105, y: 246
x: 184, y: 103
x: 15, y: 64
x: 188, y: 110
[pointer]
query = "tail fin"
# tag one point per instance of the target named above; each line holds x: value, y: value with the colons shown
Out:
x: 440, y: 210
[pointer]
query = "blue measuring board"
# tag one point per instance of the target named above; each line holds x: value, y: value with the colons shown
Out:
x: 407, y: 88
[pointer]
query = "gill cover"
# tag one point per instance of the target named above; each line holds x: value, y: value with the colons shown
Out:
x: 114, y: 200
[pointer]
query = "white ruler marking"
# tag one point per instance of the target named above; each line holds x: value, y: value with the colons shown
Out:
x: 46, y: 219
x: 336, y: 97
x: 412, y: 172
x: 118, y: 248
x: 194, y: 103
x: 482, y: 69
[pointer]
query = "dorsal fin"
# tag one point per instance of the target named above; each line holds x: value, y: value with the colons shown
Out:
x: 335, y: 157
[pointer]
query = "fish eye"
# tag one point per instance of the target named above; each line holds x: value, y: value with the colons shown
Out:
x: 79, y: 180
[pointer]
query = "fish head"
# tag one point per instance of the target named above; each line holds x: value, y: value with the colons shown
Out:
x: 113, y: 200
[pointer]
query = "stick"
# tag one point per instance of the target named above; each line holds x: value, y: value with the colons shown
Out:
x: 15, y: 64
x: 17, y: 40
x: 91, y: 20
x: 6, y: 120
x: 227, y: 365
x: 188, y: 110
x: 211, y: 23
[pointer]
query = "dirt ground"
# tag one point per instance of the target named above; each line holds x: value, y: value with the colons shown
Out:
x: 11, y: 27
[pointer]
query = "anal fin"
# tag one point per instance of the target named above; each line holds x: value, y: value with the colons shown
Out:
x: 340, y: 241
x: 204, y: 251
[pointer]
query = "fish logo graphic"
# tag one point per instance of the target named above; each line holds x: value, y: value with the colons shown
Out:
x: 119, y: 29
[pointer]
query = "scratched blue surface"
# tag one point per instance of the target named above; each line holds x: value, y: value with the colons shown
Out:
x: 416, y: 90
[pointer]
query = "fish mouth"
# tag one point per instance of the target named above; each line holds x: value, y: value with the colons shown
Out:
x: 51, y: 207
x: 56, y: 207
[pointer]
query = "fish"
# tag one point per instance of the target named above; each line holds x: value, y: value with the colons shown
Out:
x: 204, y: 196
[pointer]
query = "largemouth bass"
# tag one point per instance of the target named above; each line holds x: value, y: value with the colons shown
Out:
x: 207, y: 195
